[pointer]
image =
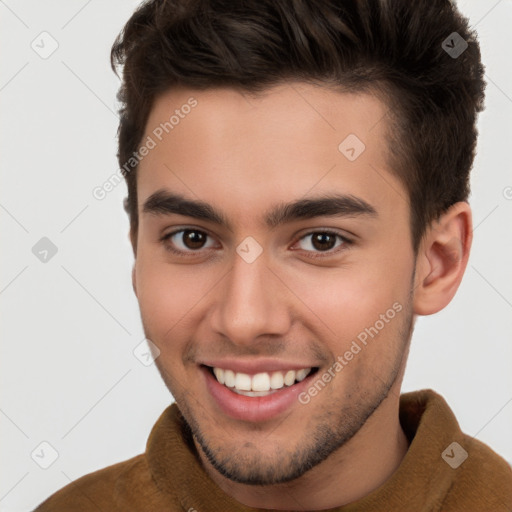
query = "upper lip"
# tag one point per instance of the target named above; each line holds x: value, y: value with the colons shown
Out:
x: 254, y: 366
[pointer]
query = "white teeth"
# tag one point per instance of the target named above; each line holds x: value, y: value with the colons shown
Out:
x: 243, y: 382
x: 259, y: 384
x: 229, y: 378
x: 219, y: 373
x: 277, y: 380
x: 289, y: 378
x: 253, y: 393
x: 302, y: 374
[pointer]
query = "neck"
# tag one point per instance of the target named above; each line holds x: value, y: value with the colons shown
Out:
x: 355, y: 470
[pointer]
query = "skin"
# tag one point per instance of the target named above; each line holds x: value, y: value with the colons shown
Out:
x: 242, y: 155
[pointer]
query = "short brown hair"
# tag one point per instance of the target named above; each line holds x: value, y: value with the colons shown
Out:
x: 395, y: 49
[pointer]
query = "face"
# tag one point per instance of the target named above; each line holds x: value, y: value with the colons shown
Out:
x: 281, y: 329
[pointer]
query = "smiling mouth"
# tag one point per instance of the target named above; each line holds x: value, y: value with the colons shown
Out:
x: 259, y: 384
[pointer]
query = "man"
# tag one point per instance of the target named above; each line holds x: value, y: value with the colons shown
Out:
x: 290, y: 219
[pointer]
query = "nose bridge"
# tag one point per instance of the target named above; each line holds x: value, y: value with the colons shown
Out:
x: 249, y: 304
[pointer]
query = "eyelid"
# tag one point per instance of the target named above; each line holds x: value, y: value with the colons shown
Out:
x: 347, y: 242
x: 180, y: 252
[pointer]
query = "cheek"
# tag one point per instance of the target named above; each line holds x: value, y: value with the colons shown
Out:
x: 347, y: 301
x: 156, y: 294
x: 170, y: 295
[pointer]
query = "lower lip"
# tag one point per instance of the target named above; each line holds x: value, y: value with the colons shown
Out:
x: 257, y: 408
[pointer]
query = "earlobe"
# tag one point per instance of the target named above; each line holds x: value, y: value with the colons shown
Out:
x: 442, y: 259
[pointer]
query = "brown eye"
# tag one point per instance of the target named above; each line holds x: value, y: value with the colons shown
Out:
x: 327, y: 242
x: 193, y: 239
x: 186, y: 241
x: 323, y: 241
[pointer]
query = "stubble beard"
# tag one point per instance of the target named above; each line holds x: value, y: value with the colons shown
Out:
x: 326, y: 432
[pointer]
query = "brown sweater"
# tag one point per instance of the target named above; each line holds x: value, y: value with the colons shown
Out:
x: 169, y: 476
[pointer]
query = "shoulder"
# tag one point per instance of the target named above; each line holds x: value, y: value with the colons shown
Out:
x: 105, y: 489
x: 484, y: 480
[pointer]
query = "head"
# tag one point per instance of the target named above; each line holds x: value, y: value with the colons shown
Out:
x: 248, y: 125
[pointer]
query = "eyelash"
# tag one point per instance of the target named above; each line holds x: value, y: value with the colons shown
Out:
x: 320, y: 254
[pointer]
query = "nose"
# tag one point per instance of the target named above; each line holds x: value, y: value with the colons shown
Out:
x: 251, y: 303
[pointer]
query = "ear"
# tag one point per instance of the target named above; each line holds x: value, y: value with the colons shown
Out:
x: 442, y: 259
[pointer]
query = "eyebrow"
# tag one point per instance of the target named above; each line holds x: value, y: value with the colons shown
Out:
x: 163, y: 202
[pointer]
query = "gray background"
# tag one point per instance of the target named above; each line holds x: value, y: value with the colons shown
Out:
x: 68, y: 374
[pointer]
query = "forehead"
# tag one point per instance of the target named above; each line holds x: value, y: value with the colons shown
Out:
x: 310, y: 109
x: 245, y: 151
